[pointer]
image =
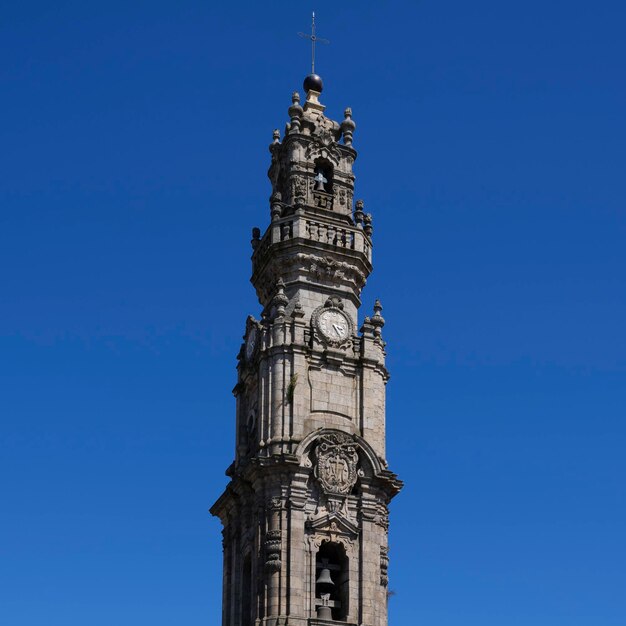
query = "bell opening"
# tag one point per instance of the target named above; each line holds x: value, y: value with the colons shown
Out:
x: 323, y: 179
x: 332, y: 583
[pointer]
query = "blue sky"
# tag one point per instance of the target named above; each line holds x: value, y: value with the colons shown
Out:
x: 133, y: 165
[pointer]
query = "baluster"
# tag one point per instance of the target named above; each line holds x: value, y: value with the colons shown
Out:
x: 332, y: 235
x: 322, y: 232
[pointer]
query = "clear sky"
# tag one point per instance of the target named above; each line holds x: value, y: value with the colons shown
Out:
x: 491, y: 139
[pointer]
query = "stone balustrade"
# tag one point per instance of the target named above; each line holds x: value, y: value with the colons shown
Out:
x: 316, y: 230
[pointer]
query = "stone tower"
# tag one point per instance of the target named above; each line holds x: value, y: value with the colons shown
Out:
x: 305, y: 513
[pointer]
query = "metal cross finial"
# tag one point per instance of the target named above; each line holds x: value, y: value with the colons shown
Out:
x: 313, y: 39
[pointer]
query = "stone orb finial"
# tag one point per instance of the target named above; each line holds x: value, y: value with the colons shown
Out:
x: 313, y: 82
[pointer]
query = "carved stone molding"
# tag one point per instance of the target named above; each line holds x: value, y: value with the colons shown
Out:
x: 298, y: 189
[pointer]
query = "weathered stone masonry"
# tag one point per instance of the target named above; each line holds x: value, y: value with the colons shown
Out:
x: 305, y: 514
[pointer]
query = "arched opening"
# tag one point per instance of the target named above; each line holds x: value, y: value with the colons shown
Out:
x: 323, y: 176
x: 332, y: 584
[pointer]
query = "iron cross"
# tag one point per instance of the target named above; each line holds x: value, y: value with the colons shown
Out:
x: 313, y: 39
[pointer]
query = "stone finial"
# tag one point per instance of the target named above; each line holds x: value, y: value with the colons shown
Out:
x: 377, y: 320
x: 276, y: 205
x: 295, y: 113
x: 280, y: 300
x: 347, y: 127
x: 256, y: 236
x: 276, y: 136
x: 358, y: 212
x: 367, y: 220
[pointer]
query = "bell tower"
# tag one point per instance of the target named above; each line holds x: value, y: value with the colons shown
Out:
x: 305, y: 514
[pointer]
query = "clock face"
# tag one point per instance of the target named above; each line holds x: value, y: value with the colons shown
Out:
x: 250, y: 343
x: 334, y: 325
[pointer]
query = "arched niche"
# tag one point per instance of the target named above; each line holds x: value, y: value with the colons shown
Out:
x: 332, y: 585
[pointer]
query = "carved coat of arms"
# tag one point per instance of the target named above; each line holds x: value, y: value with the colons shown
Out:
x: 336, y: 467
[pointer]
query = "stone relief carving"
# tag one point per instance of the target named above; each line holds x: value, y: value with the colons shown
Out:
x: 328, y: 268
x: 381, y: 518
x: 336, y: 463
x: 323, y: 147
x: 384, y: 566
x: 315, y: 541
x: 320, y: 268
x: 274, y: 504
x: 342, y: 196
x: 349, y: 196
x: 298, y: 189
x: 323, y: 200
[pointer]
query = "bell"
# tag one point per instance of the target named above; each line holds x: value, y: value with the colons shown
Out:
x: 324, y: 612
x: 324, y: 578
